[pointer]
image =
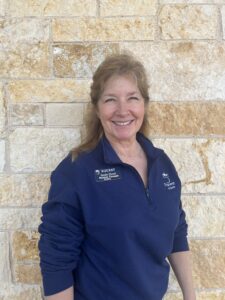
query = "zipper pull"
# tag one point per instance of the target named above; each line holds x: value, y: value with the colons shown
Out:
x: 147, y: 193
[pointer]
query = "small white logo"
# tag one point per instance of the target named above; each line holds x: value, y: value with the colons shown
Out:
x: 167, y: 182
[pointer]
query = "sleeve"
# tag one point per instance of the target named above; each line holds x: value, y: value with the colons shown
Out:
x: 61, y: 235
x: 180, y: 242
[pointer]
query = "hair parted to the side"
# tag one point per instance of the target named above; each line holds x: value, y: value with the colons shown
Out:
x: 116, y: 64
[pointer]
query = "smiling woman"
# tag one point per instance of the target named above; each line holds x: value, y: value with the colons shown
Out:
x: 114, y: 213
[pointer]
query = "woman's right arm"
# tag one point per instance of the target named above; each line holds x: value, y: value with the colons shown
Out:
x: 64, y: 295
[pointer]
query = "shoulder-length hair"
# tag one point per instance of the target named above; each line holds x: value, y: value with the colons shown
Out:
x: 113, y: 65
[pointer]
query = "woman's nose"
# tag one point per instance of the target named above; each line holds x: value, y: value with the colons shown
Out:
x: 122, y: 108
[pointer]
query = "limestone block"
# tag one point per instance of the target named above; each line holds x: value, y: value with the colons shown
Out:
x: 173, y: 296
x: 191, y: 1
x: 208, y: 255
x: 24, y: 189
x: 25, y: 60
x: 205, y: 216
x: 57, y: 90
x: 2, y: 7
x: 108, y: 29
x: 16, y: 218
x: 27, y: 114
x: 188, y: 21
x: 223, y: 20
x: 200, y: 163
x: 4, y: 258
x: 23, y: 30
x: 25, y: 246
x: 214, y: 295
x: 2, y: 155
x: 127, y: 7
x: 52, y: 8
x: 196, y: 118
x: 36, y: 149
x: 20, y: 292
x: 80, y: 60
x: 180, y: 71
x: 27, y: 273
x: 70, y: 114
x: 2, y: 109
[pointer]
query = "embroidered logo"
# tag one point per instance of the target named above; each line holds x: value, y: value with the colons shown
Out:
x: 167, y: 182
x: 107, y: 174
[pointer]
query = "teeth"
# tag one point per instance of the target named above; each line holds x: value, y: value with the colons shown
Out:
x: 122, y: 123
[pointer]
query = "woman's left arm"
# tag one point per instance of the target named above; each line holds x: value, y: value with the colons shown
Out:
x: 181, y: 265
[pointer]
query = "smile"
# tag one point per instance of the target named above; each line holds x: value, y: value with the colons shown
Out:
x: 120, y: 123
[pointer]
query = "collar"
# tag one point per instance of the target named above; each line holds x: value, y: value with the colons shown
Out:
x: 111, y: 157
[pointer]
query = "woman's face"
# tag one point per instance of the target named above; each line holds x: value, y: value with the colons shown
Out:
x: 121, y: 109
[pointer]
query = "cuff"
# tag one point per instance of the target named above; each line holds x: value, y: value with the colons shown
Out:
x: 180, y: 244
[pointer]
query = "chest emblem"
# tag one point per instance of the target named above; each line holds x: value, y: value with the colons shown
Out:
x: 170, y: 185
x: 107, y: 174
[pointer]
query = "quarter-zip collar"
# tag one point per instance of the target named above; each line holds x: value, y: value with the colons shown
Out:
x: 110, y: 156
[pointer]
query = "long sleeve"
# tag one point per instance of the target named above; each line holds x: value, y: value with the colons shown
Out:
x: 62, y: 233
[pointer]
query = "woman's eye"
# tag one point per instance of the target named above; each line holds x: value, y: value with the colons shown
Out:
x: 133, y: 98
x: 109, y: 99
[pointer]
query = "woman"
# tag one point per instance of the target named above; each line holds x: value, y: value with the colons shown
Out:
x: 114, y: 212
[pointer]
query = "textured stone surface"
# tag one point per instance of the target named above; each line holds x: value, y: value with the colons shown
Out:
x: 4, y: 258
x: 27, y: 273
x: 2, y: 155
x: 2, y: 109
x: 27, y: 114
x: 23, y: 189
x: 25, y: 245
x: 52, y: 8
x: 15, y: 218
x: 80, y: 60
x: 208, y: 263
x: 2, y: 7
x: 34, y: 149
x: 19, y: 292
x: 200, y: 163
x: 181, y: 71
x: 214, y: 295
x: 127, y: 7
x: 58, y: 90
x: 187, y: 118
x: 223, y: 19
x: 188, y: 21
x: 108, y: 29
x: 192, y: 1
x: 205, y: 216
x: 70, y: 114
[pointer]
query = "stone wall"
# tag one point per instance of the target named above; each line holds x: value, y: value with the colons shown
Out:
x: 49, y: 50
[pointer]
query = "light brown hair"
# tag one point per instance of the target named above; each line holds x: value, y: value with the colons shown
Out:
x: 117, y: 64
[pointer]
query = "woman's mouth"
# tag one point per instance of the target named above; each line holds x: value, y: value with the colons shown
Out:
x: 122, y: 123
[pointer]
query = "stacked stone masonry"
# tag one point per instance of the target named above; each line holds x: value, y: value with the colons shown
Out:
x: 49, y: 51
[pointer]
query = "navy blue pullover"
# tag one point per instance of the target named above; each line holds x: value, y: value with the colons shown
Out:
x: 106, y: 233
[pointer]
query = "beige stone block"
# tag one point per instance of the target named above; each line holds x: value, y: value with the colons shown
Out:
x: 23, y: 189
x: 16, y: 218
x: 199, y: 162
x: 52, y: 8
x: 4, y: 258
x: 36, y: 149
x: 23, y: 30
x: 57, y: 90
x: 214, y: 295
x: 2, y: 155
x: 20, y: 292
x: 196, y: 118
x: 223, y: 20
x: 208, y: 263
x: 108, y: 29
x: 183, y: 71
x: 80, y: 60
x: 173, y: 296
x: 2, y: 7
x: 27, y: 273
x: 127, y: 8
x: 188, y: 22
x: 205, y: 216
x: 25, y: 246
x: 70, y: 114
x: 25, y: 60
x: 27, y: 114
x: 2, y: 109
x: 191, y: 1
